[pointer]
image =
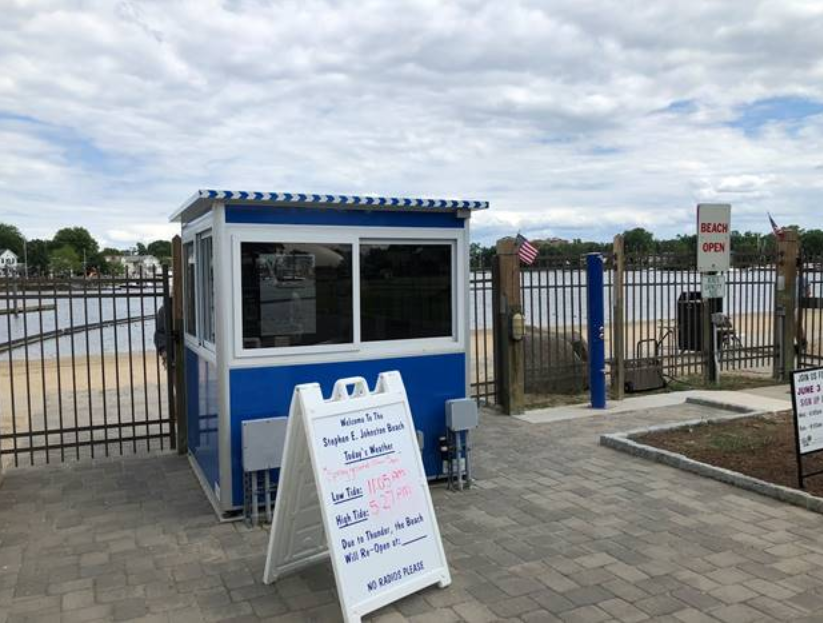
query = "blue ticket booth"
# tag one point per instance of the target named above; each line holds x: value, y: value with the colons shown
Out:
x: 282, y: 289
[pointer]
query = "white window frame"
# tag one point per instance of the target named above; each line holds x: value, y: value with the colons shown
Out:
x: 186, y: 321
x: 278, y: 236
x: 193, y: 233
x: 422, y: 342
x: 201, y: 281
x: 354, y: 236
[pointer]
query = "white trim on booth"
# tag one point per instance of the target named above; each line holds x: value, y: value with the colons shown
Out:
x: 192, y: 233
x: 466, y: 260
x: 223, y: 318
x: 269, y: 233
x: 210, y: 355
x: 357, y: 349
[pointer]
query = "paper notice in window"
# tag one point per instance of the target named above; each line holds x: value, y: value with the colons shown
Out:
x: 288, y: 294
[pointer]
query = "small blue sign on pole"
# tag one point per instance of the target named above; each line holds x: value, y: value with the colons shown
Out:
x: 597, y: 347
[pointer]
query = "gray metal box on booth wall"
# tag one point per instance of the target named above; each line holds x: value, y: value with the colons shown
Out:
x: 263, y: 442
x: 461, y: 414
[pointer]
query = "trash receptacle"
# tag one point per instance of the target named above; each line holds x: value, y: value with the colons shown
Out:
x: 690, y: 319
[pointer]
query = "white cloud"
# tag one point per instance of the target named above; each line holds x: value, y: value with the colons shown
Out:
x: 140, y: 232
x: 111, y: 114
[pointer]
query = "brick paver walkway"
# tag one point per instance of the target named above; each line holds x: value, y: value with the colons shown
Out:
x: 557, y: 529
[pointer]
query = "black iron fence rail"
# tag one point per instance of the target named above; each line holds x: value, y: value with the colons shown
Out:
x: 482, y: 374
x: 553, y: 298
x: 663, y: 318
x: 66, y: 331
x: 810, y: 318
x: 79, y: 374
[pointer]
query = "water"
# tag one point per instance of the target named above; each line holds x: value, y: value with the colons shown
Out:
x: 77, y: 312
x: 557, y: 297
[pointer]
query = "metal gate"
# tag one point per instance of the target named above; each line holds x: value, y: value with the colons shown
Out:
x: 79, y: 372
x: 553, y: 299
x: 664, y: 316
x: 482, y: 374
x: 810, y: 318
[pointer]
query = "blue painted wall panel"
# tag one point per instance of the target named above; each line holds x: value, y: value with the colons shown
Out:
x: 201, y: 412
x: 320, y: 216
x: 430, y: 381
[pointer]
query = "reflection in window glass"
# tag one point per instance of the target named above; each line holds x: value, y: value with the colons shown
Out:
x: 296, y: 294
x: 405, y: 291
x: 188, y: 289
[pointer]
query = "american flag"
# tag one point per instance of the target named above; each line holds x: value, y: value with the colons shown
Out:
x: 778, y: 231
x: 525, y: 250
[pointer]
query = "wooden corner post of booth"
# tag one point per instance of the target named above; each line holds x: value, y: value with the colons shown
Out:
x: 618, y: 370
x: 787, y: 302
x: 508, y: 353
x: 178, y: 344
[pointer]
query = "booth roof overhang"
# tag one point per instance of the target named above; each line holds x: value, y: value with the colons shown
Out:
x: 202, y: 201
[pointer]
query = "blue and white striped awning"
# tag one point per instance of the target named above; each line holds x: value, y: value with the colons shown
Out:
x: 204, y: 198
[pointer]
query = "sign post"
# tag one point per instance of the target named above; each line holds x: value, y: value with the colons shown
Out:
x: 352, y: 486
x: 713, y: 257
x: 807, y: 405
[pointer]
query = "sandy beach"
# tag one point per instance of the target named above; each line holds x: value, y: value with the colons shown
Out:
x: 115, y: 390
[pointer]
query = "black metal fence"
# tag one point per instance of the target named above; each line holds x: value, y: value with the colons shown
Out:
x: 663, y: 320
x: 79, y: 373
x: 664, y: 315
x: 810, y: 319
x: 481, y: 348
x: 553, y: 297
x: 748, y: 343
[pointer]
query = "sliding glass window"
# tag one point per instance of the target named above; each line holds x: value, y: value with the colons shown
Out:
x: 205, y: 285
x: 189, y: 290
x: 405, y: 291
x: 296, y: 294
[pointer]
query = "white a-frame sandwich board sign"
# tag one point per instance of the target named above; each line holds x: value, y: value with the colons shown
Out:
x: 352, y: 486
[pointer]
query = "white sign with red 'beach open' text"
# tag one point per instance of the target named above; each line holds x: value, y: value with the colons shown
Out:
x: 713, y: 237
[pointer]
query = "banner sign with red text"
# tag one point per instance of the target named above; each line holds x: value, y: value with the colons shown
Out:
x: 713, y: 237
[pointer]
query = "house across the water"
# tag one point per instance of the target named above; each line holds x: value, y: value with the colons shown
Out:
x: 9, y: 262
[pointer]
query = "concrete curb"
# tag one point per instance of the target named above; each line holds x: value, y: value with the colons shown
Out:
x: 624, y: 442
x: 724, y: 405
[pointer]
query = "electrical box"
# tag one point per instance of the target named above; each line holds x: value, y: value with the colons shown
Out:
x: 461, y: 414
x: 263, y: 442
x: 518, y: 327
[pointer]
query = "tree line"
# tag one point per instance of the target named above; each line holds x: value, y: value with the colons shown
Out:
x: 640, y: 241
x: 73, y: 251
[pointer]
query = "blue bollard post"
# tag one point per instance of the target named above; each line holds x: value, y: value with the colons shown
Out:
x: 597, y: 348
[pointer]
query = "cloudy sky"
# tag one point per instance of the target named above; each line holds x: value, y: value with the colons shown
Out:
x: 577, y: 118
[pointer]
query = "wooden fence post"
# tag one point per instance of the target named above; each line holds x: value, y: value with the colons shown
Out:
x: 508, y: 354
x: 178, y: 343
x: 618, y: 371
x: 787, y: 302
